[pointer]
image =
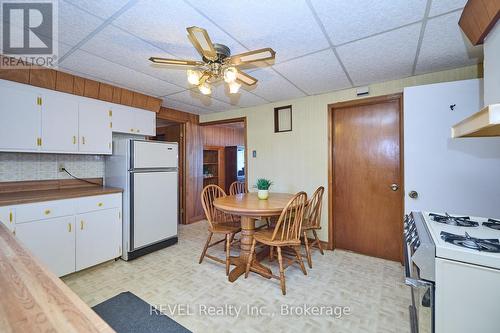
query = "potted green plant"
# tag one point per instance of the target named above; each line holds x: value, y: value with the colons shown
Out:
x: 263, y: 186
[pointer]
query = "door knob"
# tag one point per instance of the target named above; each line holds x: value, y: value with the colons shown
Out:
x: 394, y: 187
x: 413, y: 194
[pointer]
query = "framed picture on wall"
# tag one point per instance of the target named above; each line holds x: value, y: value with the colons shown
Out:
x: 283, y: 119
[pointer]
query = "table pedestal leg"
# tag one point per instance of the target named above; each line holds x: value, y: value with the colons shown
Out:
x: 246, y: 239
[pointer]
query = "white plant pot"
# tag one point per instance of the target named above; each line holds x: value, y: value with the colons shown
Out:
x: 263, y: 194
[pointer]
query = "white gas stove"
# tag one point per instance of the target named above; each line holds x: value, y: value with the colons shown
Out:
x: 452, y: 263
x: 462, y: 248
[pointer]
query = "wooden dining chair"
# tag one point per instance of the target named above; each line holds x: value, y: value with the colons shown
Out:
x: 237, y: 187
x: 218, y: 223
x: 312, y: 221
x: 286, y: 233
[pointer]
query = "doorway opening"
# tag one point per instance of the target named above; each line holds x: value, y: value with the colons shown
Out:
x: 365, y: 175
x: 224, y: 152
x: 172, y: 131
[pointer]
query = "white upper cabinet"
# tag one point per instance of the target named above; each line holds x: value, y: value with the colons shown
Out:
x: 94, y: 127
x: 34, y: 119
x: 20, y: 117
x: 145, y: 122
x: 133, y: 121
x: 59, y: 122
x: 123, y: 119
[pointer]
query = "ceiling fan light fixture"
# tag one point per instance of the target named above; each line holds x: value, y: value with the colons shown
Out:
x: 193, y: 76
x: 230, y: 74
x: 234, y: 87
x: 205, y: 89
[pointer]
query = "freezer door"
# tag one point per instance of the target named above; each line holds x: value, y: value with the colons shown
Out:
x: 153, y: 155
x: 153, y: 215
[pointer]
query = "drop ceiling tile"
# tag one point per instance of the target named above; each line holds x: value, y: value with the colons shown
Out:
x: 290, y: 28
x: 170, y: 103
x: 102, y: 9
x: 272, y: 86
x: 346, y: 21
x: 163, y: 23
x: 74, y: 24
x: 125, y: 49
x: 443, y: 6
x: 87, y: 63
x: 383, y: 57
x: 316, y: 73
x: 243, y: 98
x: 445, y: 46
x: 193, y: 98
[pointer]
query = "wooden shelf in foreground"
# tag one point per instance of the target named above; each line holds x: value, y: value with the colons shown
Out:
x: 481, y: 124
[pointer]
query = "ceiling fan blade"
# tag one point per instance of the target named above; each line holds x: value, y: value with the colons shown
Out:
x: 176, y: 62
x: 202, y: 43
x: 252, y: 56
x: 243, y: 77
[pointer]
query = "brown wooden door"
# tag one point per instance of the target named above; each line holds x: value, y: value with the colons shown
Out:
x: 367, y: 159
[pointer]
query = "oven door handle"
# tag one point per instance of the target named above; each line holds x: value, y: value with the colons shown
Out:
x: 414, y: 283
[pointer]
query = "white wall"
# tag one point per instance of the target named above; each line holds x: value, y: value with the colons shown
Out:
x: 298, y: 160
x: 459, y: 176
x: 492, y: 66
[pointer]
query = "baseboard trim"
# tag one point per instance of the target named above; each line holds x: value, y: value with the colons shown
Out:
x: 152, y: 248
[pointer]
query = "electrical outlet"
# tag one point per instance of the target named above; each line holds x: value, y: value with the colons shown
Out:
x: 61, y: 167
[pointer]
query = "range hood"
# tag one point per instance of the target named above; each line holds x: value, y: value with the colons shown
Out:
x: 483, y: 123
x: 486, y: 122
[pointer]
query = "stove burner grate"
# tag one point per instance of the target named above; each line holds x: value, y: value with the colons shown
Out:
x: 460, y: 221
x: 484, y: 245
x: 492, y: 224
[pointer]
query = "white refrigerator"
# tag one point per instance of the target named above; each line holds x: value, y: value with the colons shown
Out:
x: 147, y: 172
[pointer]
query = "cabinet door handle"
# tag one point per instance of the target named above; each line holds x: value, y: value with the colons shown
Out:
x: 69, y: 227
x: 100, y: 204
x: 47, y: 212
x: 83, y: 140
x: 81, y: 225
x: 10, y: 217
x: 137, y: 130
x: 74, y: 140
x: 132, y: 130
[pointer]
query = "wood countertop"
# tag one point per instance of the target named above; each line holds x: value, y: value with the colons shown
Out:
x: 16, y: 193
x: 34, y: 299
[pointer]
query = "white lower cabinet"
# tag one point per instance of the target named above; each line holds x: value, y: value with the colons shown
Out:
x: 98, y: 237
x: 52, y: 241
x: 7, y: 217
x: 71, y: 234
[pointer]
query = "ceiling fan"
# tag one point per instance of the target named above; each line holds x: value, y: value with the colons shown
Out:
x: 218, y: 63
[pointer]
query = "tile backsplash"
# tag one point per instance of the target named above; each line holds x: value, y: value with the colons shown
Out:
x: 28, y: 166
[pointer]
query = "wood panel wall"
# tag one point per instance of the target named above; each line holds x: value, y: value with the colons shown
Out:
x: 72, y: 84
x: 178, y: 116
x: 478, y: 18
x: 194, y: 172
x: 223, y: 136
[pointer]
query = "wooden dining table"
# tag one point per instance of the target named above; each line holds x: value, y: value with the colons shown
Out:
x: 251, y: 208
